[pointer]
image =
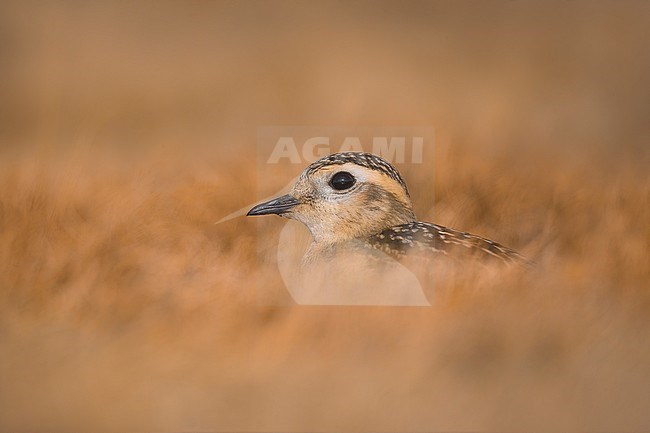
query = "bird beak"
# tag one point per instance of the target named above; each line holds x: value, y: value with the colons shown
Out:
x: 277, y: 206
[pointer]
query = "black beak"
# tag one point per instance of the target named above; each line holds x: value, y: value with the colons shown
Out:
x: 277, y: 206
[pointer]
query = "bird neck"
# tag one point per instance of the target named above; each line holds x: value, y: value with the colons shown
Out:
x: 356, y: 225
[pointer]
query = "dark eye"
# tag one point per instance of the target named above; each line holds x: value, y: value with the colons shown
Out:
x: 342, y: 180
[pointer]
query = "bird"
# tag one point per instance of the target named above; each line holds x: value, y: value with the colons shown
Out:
x: 359, y: 200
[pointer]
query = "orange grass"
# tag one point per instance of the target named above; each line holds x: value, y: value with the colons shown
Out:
x: 123, y: 307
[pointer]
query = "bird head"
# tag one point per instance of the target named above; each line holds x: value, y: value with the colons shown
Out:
x: 344, y: 196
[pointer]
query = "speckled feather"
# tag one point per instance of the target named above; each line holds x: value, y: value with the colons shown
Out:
x: 426, y: 238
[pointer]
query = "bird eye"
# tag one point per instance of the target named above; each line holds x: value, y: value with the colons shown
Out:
x: 342, y: 180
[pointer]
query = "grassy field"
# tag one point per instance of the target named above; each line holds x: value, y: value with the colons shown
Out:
x: 128, y: 130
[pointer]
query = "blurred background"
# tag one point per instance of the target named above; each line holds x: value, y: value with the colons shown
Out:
x: 128, y: 129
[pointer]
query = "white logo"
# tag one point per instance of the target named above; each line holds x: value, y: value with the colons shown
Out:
x: 393, y: 149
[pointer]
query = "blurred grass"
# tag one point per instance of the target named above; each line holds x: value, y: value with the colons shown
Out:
x: 128, y: 130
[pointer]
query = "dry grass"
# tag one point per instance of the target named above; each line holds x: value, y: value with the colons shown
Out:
x: 124, y: 307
